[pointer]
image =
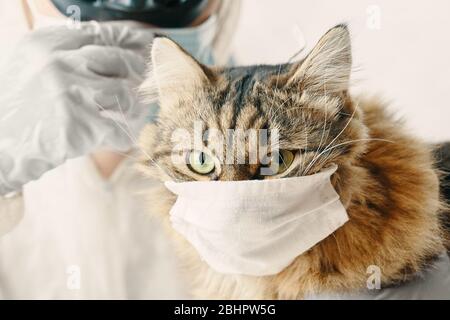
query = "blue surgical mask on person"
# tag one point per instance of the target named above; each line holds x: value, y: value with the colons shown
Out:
x: 198, y: 40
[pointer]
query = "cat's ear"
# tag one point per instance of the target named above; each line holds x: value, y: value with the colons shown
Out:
x: 174, y: 74
x: 328, y: 66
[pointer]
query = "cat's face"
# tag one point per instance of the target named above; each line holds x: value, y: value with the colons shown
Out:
x: 257, y: 122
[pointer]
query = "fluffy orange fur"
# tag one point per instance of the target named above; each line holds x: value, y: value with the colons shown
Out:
x: 386, y: 179
x: 391, y: 194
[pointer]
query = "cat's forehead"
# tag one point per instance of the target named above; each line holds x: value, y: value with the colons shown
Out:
x: 256, y: 72
x: 255, y: 85
x: 244, y: 78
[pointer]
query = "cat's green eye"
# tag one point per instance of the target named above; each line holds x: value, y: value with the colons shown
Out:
x: 281, y: 160
x: 201, y: 162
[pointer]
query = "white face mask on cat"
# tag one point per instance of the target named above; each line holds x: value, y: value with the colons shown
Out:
x: 256, y: 227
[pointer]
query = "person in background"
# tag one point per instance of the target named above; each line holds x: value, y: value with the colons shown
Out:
x: 85, y: 232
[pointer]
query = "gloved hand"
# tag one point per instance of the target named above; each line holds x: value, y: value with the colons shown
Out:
x: 61, y: 97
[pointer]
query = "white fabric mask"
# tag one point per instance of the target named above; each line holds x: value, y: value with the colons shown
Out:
x: 256, y: 227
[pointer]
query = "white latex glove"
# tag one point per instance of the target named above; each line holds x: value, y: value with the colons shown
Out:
x: 51, y: 92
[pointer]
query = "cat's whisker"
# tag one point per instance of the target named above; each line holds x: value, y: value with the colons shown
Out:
x: 346, y: 125
x: 136, y: 144
x: 125, y: 120
x: 299, y: 108
x: 359, y: 140
x: 323, y: 160
x: 132, y: 139
x: 276, y: 85
x: 337, y: 136
x: 324, y: 127
x: 337, y: 244
x: 278, y: 76
x: 279, y: 108
x: 284, y: 102
x: 284, y: 163
x: 303, y: 162
x: 111, y: 117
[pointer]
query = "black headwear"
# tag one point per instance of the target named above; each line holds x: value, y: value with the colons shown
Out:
x: 162, y: 13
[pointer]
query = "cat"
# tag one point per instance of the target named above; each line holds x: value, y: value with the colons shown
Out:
x: 387, y: 180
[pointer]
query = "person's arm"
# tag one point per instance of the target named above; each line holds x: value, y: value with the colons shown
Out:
x: 59, y: 90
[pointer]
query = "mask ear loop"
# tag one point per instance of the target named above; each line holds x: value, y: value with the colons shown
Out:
x: 28, y: 14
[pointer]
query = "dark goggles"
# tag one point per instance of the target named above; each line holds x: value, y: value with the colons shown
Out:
x: 162, y: 13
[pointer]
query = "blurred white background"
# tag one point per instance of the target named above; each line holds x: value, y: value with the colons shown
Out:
x: 401, y: 48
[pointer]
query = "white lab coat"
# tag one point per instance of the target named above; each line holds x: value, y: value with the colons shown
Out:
x: 84, y: 237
